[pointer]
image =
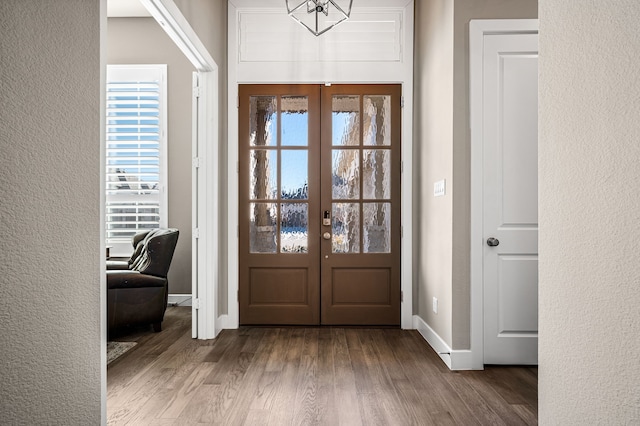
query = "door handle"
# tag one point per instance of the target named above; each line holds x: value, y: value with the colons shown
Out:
x: 326, y: 235
x: 492, y: 242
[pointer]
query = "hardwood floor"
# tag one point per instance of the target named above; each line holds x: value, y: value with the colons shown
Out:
x: 306, y: 376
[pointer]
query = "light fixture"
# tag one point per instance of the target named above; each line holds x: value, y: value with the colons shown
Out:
x: 319, y: 16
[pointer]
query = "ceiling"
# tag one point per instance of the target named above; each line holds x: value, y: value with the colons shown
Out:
x: 125, y: 9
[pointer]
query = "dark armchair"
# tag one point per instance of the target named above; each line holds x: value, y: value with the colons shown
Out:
x: 137, y: 289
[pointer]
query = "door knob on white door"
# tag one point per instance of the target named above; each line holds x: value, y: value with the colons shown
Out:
x: 492, y: 242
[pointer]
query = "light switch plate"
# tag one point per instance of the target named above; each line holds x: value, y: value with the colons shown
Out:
x: 439, y: 188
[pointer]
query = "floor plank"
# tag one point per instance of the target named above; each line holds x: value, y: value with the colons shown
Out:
x: 306, y: 376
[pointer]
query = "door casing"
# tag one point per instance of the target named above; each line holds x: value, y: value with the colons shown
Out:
x: 328, y: 72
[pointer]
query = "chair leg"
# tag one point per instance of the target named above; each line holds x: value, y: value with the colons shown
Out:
x: 157, y: 327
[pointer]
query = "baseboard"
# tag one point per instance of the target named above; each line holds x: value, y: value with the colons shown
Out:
x: 222, y: 323
x: 454, y: 359
x: 179, y: 300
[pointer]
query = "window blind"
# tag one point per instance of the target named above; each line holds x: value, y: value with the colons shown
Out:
x: 134, y: 151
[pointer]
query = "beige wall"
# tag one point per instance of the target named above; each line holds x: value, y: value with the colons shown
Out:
x: 50, y: 233
x: 433, y: 133
x: 443, y: 144
x: 589, y: 161
x: 143, y: 41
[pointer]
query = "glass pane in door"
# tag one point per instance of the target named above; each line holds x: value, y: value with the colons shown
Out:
x: 376, y: 168
x: 377, y: 227
x: 294, y: 120
x: 376, y: 119
x: 294, y: 228
x: 263, y: 219
x: 263, y: 174
x: 345, y: 228
x: 345, y: 120
x: 345, y: 174
x: 263, y: 120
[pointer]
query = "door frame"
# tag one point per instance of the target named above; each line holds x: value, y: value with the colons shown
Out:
x: 477, y: 30
x: 398, y: 71
x: 205, y: 142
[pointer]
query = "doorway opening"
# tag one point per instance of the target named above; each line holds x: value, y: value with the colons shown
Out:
x: 319, y: 204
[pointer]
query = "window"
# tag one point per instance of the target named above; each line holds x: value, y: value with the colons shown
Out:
x: 136, y: 146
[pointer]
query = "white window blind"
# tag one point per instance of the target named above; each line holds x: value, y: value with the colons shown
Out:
x: 135, y: 153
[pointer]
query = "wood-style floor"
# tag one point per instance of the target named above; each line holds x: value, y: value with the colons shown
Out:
x: 306, y: 376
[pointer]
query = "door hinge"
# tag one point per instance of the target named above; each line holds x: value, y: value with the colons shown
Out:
x: 401, y: 101
x: 196, y: 303
x: 401, y: 231
x: 196, y: 91
x: 401, y: 296
x: 237, y: 101
x: 195, y: 233
x: 196, y: 162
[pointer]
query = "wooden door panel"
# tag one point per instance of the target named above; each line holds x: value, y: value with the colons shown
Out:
x: 360, y: 169
x: 279, y: 218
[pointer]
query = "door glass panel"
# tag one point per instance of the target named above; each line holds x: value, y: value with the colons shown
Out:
x: 294, y: 229
x: 263, y: 227
x: 263, y: 121
x: 345, y: 228
x: 376, y: 120
x: 345, y: 175
x: 345, y: 120
x: 376, y: 181
x: 294, y: 120
x: 294, y: 179
x: 263, y: 178
x: 377, y: 227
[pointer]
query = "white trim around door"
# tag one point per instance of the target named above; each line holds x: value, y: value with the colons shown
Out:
x: 204, y: 176
x: 333, y: 68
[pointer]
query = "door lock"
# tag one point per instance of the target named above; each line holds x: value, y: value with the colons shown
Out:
x: 326, y: 218
x: 326, y: 235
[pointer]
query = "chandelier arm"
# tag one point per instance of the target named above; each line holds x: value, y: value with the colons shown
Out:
x: 340, y: 9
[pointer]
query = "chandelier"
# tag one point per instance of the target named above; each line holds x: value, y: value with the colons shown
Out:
x: 319, y: 16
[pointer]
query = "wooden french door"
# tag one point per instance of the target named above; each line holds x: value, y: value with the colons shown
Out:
x: 319, y: 206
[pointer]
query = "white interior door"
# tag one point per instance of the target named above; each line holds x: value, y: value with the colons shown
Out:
x: 510, y: 198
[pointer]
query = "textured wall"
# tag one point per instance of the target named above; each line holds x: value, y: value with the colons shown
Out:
x: 143, y: 41
x: 589, y: 212
x: 50, y: 212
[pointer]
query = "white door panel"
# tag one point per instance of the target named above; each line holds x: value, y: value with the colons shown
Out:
x: 510, y: 198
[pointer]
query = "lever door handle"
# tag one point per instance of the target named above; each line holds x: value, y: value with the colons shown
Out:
x: 492, y: 242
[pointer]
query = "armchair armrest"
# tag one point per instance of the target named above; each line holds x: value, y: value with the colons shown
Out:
x: 132, y: 279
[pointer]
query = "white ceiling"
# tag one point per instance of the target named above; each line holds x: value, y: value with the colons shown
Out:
x: 125, y: 9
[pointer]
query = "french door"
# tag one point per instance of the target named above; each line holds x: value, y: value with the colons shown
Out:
x: 319, y: 204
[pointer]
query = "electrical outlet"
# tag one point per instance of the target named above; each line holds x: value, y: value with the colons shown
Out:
x: 439, y: 188
x: 435, y: 305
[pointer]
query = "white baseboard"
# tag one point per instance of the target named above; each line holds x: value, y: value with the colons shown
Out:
x: 222, y: 323
x: 454, y: 359
x: 179, y: 300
